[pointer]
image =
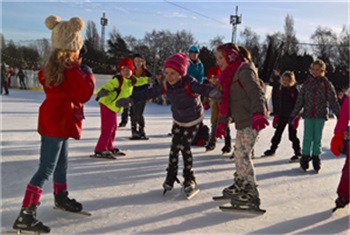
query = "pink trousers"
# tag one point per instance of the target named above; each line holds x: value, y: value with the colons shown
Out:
x: 108, y: 129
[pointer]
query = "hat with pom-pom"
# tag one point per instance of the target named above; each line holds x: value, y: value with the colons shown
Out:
x: 66, y: 35
x: 179, y: 62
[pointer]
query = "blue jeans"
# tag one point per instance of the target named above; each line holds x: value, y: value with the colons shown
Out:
x: 53, y: 159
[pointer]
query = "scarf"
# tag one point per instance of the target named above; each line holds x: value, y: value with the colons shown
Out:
x: 226, y: 76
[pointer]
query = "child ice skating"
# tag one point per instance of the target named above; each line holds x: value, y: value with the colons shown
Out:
x: 187, y: 110
x: 285, y: 102
x: 67, y: 85
x: 313, y: 98
x: 243, y: 101
x: 213, y: 76
x: 337, y: 144
x: 121, y: 86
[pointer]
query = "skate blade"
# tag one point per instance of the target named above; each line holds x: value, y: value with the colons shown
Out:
x: 240, y: 210
x: 138, y: 138
x: 79, y: 212
x: 192, y: 194
x: 22, y: 232
x: 220, y: 198
x: 107, y: 158
x: 121, y: 154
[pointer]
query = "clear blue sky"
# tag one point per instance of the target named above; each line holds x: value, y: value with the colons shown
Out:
x: 204, y: 19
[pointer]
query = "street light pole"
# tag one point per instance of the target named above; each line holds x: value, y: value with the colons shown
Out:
x: 235, y: 20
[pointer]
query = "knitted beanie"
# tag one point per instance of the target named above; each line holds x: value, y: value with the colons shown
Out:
x: 126, y: 62
x: 179, y: 62
x: 66, y: 35
x: 214, y: 72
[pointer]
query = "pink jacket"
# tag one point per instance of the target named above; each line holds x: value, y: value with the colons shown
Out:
x: 344, y: 117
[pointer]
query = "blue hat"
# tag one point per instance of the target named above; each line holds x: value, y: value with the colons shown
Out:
x: 194, y: 49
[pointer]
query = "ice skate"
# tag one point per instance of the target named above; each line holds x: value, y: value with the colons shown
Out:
x: 247, y: 200
x: 227, y: 148
x: 304, y: 162
x: 269, y: 153
x: 170, y: 180
x: 316, y: 163
x: 232, y: 190
x: 117, y: 152
x: 26, y: 221
x: 63, y: 202
x: 104, y: 155
x: 210, y: 146
x: 295, y: 158
x: 340, y: 202
x: 190, y: 186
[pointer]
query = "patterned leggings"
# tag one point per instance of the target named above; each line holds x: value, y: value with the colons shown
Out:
x: 182, y: 138
x: 245, y: 140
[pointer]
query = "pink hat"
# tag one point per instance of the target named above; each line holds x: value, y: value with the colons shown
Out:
x: 214, y: 72
x: 179, y: 62
x: 126, y: 62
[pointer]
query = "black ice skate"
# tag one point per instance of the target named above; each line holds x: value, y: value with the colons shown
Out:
x: 104, y: 155
x: 190, y: 186
x: 316, y: 163
x: 26, y: 221
x: 231, y: 191
x: 210, y: 146
x: 295, y: 158
x: 170, y: 180
x: 247, y: 200
x: 117, y: 152
x: 63, y: 202
x: 304, y: 162
x: 340, y: 202
x: 269, y: 153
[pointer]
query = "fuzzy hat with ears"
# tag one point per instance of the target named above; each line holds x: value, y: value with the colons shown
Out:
x: 66, y: 35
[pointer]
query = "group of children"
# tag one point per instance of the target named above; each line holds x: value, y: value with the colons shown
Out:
x: 234, y: 94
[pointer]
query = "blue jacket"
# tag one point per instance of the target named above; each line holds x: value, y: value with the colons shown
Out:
x: 187, y: 110
x: 196, y: 70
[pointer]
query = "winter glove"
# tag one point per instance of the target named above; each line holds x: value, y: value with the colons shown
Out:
x: 294, y: 121
x: 206, y: 106
x: 337, y: 144
x: 259, y: 121
x: 220, y: 131
x: 275, y: 121
x: 85, y: 68
x: 215, y: 95
x: 124, y: 102
x: 103, y: 92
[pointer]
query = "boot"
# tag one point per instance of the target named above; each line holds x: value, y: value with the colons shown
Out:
x: 304, y: 162
x: 170, y: 179
x: 134, y: 132
x: 211, y: 145
x: 141, y: 132
x: 190, y: 182
x: 316, y: 163
x: 227, y: 148
x: 27, y: 221
x: 62, y: 201
x: 248, y: 197
x: 340, y: 202
x: 235, y: 188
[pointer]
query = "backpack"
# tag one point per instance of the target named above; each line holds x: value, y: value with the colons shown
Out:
x: 202, y: 136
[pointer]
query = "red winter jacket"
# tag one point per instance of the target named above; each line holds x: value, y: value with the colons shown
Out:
x: 61, y: 114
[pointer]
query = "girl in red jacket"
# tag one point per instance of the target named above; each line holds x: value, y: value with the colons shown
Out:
x: 67, y: 85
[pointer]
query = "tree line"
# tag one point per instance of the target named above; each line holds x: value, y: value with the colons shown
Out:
x: 278, y: 50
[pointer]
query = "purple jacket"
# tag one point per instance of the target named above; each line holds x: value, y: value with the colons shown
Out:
x: 187, y: 110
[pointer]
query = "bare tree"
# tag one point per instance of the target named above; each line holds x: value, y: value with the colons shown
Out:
x: 215, y: 42
x: 43, y: 48
x: 250, y: 40
x: 92, y: 36
x: 289, y: 38
x: 326, y: 40
x: 344, y: 47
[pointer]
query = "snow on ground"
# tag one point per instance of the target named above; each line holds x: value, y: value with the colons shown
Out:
x: 125, y: 196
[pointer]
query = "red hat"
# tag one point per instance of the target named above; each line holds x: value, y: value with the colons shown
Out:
x: 214, y: 72
x: 126, y: 62
x: 179, y: 62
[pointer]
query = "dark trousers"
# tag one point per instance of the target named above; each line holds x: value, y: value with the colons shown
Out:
x: 136, y: 114
x: 124, y: 115
x: 276, y: 139
x: 181, y: 142
x: 4, y: 86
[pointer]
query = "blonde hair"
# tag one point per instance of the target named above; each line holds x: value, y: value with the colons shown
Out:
x: 59, y: 61
x: 320, y: 63
x: 290, y: 75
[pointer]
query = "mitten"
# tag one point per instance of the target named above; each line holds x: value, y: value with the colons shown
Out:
x: 124, y: 102
x: 85, y: 68
x: 215, y: 95
x: 259, y: 121
x: 337, y: 144
x: 206, y: 106
x: 103, y: 92
x: 275, y: 121
x: 220, y: 130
